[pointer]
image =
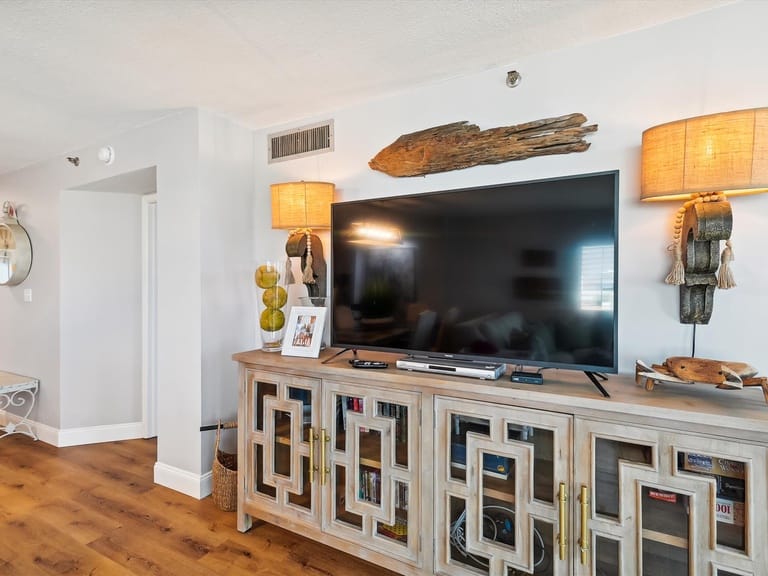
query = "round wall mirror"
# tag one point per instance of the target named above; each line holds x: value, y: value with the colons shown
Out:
x: 15, y: 249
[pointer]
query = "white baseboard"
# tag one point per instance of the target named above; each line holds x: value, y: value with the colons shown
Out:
x: 62, y: 438
x: 96, y: 434
x: 195, y: 485
x: 46, y: 434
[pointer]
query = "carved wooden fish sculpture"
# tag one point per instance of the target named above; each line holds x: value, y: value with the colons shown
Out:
x: 462, y: 145
x: 686, y: 370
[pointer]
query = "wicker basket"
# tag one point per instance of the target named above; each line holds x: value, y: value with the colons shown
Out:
x: 224, y: 472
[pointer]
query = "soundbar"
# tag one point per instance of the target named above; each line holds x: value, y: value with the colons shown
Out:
x: 481, y: 370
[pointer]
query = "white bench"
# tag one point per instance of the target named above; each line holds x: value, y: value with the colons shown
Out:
x: 17, y: 390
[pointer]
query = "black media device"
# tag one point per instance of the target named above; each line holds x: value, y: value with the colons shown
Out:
x: 368, y: 364
x: 522, y: 273
x: 527, y: 377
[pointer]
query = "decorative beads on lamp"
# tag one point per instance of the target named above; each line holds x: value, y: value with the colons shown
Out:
x: 703, y: 161
x: 677, y: 275
x: 301, y: 207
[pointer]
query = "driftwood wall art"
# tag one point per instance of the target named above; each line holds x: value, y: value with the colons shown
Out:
x: 462, y: 145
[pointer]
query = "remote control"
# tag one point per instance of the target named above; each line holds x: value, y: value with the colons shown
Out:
x: 368, y: 364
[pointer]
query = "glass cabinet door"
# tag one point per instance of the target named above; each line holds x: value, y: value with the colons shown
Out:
x: 372, y: 465
x: 656, y: 503
x: 502, y: 483
x: 282, y: 416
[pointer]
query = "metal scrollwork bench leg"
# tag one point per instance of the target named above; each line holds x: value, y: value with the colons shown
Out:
x: 16, y: 396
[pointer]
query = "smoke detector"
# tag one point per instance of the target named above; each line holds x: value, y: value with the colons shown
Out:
x: 106, y: 154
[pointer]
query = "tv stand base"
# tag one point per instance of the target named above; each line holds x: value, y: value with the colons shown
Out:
x: 593, y: 376
x: 354, y: 352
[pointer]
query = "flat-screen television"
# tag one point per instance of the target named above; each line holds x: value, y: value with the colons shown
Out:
x: 523, y: 273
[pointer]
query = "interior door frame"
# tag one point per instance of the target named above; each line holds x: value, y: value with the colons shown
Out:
x: 149, y: 314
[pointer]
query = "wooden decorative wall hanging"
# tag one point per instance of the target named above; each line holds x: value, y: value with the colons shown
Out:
x: 462, y: 145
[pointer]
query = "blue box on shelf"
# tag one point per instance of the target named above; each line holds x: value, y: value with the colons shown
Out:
x: 493, y: 464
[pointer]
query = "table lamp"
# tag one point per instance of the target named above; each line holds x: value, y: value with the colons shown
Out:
x: 301, y: 207
x: 704, y: 161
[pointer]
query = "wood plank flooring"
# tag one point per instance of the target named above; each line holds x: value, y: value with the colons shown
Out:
x: 95, y: 510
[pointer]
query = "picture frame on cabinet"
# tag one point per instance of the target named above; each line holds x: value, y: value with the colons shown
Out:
x: 304, y: 333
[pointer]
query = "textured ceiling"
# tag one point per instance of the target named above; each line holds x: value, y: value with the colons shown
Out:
x: 75, y: 72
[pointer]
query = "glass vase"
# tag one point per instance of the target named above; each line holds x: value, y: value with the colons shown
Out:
x: 272, y: 300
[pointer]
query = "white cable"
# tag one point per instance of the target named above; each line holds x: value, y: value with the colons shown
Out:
x: 457, y: 536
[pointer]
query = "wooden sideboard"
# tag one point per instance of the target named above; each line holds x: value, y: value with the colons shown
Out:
x: 426, y: 474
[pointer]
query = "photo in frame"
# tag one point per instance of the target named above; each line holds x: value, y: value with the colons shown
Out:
x: 304, y: 332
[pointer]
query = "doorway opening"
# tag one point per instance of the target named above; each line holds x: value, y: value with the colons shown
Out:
x: 108, y: 291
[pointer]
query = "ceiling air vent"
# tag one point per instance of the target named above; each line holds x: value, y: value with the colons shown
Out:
x: 300, y: 142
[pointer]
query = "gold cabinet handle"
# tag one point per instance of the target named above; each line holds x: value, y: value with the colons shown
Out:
x: 562, y: 499
x: 324, y: 439
x: 584, y: 539
x: 312, y: 467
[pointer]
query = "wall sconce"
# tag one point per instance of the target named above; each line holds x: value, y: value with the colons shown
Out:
x: 703, y: 161
x: 300, y: 207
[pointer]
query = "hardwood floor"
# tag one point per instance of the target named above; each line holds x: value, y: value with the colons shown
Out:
x: 95, y: 510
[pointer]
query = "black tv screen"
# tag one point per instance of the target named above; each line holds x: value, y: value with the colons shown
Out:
x: 521, y: 273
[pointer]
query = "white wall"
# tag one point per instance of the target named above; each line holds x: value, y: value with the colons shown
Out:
x: 101, y: 317
x: 29, y: 338
x: 34, y: 347
x: 226, y: 230
x: 200, y: 160
x: 708, y: 63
